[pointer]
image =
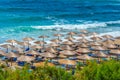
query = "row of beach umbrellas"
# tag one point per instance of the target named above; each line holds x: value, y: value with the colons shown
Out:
x: 72, y: 47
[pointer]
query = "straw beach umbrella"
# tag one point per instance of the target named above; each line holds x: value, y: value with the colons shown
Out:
x: 95, y: 44
x: 68, y: 53
x: 62, y: 56
x: 108, y: 42
x: 85, y: 57
x: 36, y: 47
x: 115, y: 52
x: 43, y: 37
x: 101, y: 55
x: 107, y: 36
x: 96, y: 38
x: 25, y: 58
x: 19, y: 50
x: 71, y: 33
x: 32, y: 52
x: 12, y: 41
x: 40, y: 42
x: 117, y: 41
x: 99, y: 48
x: 2, y: 53
x: 55, y: 40
x: 110, y: 46
x: 7, y: 46
x: 67, y: 62
x: 66, y: 47
x: 12, y: 55
x: 42, y: 64
x: 51, y: 50
x: 82, y: 35
x: 24, y: 44
x: 84, y: 45
x: 84, y: 31
x: 48, y: 55
x: 68, y: 43
x: 83, y: 40
x: 58, y: 35
x: 94, y: 34
x: 53, y: 45
x: 28, y: 39
x: 70, y: 38
x: 83, y: 50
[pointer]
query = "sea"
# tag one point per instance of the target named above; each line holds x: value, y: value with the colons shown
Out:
x: 33, y: 18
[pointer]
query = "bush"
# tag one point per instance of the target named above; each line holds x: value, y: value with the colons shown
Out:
x: 40, y: 73
x: 105, y: 71
x: 109, y: 70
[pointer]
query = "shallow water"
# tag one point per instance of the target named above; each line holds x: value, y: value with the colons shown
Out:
x: 21, y: 18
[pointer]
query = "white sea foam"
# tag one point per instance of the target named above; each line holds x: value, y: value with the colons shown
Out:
x: 70, y: 26
x: 113, y: 22
x: 84, y: 25
x: 113, y: 33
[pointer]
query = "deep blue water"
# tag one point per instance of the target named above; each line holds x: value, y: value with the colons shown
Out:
x: 21, y: 18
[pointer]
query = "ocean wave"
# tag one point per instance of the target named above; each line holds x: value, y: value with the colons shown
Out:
x: 83, y: 25
x: 113, y: 33
x: 72, y: 26
x: 113, y: 22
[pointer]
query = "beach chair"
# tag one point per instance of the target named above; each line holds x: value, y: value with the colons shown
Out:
x: 4, y: 58
x: 104, y: 59
x: 92, y: 55
x: 14, y: 59
x: 38, y: 59
x: 29, y: 54
x: 27, y: 49
x: 21, y: 63
x: 63, y: 66
x: 32, y: 67
x: 73, y: 58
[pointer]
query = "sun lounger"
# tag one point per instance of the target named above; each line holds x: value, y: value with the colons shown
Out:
x: 21, y: 63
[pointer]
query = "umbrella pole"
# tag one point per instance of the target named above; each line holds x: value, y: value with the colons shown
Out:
x: 58, y: 38
x: 24, y: 48
x: 43, y: 39
x: 99, y: 60
x: 28, y: 44
x: 7, y: 50
x: 117, y: 57
x: 40, y: 45
x: 71, y: 36
x: 11, y: 61
x: 43, y: 43
x: 12, y: 44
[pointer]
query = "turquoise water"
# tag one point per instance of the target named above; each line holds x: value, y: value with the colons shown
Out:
x: 21, y: 18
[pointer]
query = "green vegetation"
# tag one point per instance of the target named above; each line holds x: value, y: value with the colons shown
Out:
x: 109, y: 70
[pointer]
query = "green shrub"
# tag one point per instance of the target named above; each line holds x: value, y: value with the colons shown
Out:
x: 109, y: 70
x: 40, y: 73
